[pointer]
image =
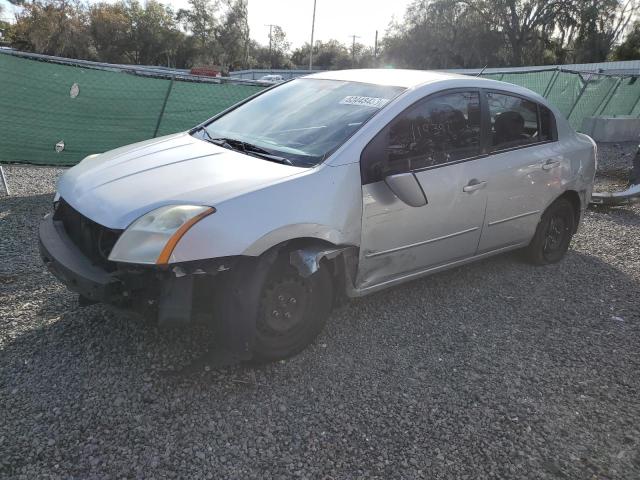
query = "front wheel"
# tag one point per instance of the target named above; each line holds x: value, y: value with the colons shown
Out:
x: 553, y: 235
x: 292, y: 312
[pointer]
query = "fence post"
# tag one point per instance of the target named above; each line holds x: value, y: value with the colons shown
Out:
x: 575, y: 104
x: 552, y: 82
x: 634, y: 105
x: 598, y: 110
x: 164, y: 104
x: 610, y: 95
x: 555, y: 80
x: 4, y: 181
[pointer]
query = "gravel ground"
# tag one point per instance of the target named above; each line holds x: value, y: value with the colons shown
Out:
x: 494, y: 370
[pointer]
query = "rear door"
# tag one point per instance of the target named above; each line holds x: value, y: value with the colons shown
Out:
x: 524, y: 165
x: 436, y: 145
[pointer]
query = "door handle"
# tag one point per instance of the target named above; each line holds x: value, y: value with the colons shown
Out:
x: 549, y: 164
x: 473, y: 186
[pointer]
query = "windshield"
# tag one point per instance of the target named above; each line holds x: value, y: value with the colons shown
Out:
x: 303, y: 120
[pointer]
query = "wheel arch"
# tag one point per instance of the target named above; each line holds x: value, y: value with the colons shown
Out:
x: 573, y: 198
x: 307, y: 254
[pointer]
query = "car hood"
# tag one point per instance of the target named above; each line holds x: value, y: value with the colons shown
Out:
x: 116, y: 187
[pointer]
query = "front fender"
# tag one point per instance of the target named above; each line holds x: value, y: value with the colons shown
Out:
x: 325, y: 205
x: 291, y: 232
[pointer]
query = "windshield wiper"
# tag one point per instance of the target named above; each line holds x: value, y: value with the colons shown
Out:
x: 247, y: 148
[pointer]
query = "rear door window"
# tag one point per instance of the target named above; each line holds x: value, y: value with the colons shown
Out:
x: 514, y: 121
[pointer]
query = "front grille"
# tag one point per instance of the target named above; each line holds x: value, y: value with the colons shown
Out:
x: 93, y: 240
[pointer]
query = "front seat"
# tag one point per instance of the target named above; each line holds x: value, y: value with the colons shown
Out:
x: 509, y: 129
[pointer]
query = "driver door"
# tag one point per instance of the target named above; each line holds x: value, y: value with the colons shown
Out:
x: 432, y: 151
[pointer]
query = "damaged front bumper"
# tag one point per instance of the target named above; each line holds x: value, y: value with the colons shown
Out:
x: 174, y: 295
x: 69, y: 265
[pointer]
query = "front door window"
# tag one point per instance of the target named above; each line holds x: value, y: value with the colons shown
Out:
x: 438, y: 130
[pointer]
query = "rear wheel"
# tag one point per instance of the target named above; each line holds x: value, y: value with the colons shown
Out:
x: 292, y: 312
x: 553, y: 235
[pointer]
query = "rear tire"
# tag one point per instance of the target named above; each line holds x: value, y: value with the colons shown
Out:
x: 293, y: 310
x: 553, y: 235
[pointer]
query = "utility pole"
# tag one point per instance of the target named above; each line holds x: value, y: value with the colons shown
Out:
x: 353, y: 50
x: 270, y: 25
x: 245, y: 8
x: 375, y: 47
x: 313, y: 26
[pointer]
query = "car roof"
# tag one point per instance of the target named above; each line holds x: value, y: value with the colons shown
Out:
x: 390, y: 76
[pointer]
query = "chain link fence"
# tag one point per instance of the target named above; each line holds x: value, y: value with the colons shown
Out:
x: 56, y: 111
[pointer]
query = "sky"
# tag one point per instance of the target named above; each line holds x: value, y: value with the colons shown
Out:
x: 337, y: 19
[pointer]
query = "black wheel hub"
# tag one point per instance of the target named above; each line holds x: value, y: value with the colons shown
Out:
x: 284, y: 304
x: 556, y: 233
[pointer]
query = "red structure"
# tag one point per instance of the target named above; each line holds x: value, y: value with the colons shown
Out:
x: 211, y: 71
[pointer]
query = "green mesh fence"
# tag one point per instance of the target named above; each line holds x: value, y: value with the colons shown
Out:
x: 114, y: 108
x: 594, y: 97
x: 190, y: 103
x: 625, y: 97
x: 636, y: 109
x: 564, y: 91
x: 578, y: 95
x: 536, y: 81
x: 111, y: 109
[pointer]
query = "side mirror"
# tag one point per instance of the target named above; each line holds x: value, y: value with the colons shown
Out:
x: 406, y: 187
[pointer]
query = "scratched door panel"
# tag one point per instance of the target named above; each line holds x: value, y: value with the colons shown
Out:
x: 399, y: 239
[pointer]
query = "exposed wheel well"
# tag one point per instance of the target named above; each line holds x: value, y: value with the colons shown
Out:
x: 303, y: 242
x: 573, y: 198
x: 338, y: 265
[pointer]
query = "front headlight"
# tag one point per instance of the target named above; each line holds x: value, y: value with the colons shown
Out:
x: 152, y: 238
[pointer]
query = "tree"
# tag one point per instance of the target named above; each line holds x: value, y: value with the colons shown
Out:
x: 630, y: 48
x: 201, y: 21
x: 127, y: 32
x: 109, y: 27
x: 475, y: 33
x: 329, y: 55
x: 6, y: 31
x: 58, y: 27
x: 152, y: 34
x: 526, y: 25
x: 232, y: 35
x: 443, y: 34
x: 601, y: 24
x: 278, y: 48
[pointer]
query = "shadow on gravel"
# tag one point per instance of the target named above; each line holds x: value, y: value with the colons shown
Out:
x: 20, y: 216
x: 622, y: 215
x: 21, y: 204
x: 497, y: 368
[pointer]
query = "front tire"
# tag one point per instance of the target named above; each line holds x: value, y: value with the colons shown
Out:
x: 553, y: 235
x: 293, y: 310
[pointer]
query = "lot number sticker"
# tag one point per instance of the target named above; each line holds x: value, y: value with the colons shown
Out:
x: 374, y: 102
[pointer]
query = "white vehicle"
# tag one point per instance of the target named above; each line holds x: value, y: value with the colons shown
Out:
x: 334, y: 185
x: 271, y: 78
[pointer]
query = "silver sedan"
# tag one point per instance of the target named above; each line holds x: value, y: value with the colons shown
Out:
x: 334, y: 185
